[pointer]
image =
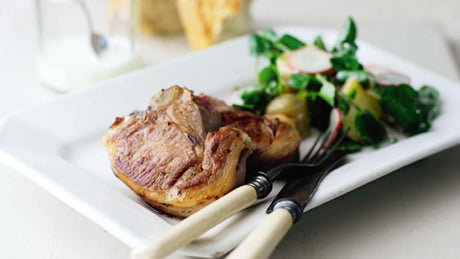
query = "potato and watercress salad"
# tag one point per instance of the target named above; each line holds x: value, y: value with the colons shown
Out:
x: 306, y: 81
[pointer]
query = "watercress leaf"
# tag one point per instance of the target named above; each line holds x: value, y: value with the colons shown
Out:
x: 347, y: 34
x: 429, y: 103
x: 270, y: 35
x: 258, y: 45
x: 272, y: 55
x: 255, y: 99
x: 318, y: 42
x: 290, y: 42
x: 345, y: 48
x: 327, y: 90
x: 352, y: 94
x: 361, y: 75
x: 344, y: 107
x: 267, y: 76
x: 299, y: 81
x: 345, y: 62
x: 350, y: 146
x: 369, y: 127
x: 412, y: 110
x: 270, y: 78
x: 401, y: 103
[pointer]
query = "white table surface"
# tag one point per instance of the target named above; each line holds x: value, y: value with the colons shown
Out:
x: 411, y: 213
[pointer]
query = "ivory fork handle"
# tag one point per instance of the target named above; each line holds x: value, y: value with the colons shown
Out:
x: 195, y: 225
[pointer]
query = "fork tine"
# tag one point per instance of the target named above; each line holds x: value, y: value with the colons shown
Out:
x: 321, y: 147
x: 331, y: 147
x: 313, y: 147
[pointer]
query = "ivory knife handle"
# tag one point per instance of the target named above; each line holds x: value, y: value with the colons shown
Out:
x: 261, y: 242
x: 198, y: 223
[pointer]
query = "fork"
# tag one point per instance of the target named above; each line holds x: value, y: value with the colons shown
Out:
x: 240, y: 198
x: 285, y: 210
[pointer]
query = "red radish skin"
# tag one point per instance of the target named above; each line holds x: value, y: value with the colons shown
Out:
x: 335, y: 127
x: 310, y: 60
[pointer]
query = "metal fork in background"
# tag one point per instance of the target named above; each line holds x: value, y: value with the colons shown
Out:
x: 240, y: 198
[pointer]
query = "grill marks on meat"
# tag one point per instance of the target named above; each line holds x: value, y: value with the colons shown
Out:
x: 275, y: 138
x: 186, y: 151
x: 174, y: 154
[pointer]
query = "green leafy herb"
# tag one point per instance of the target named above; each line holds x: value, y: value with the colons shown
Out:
x: 299, y: 80
x: 270, y: 35
x: 346, y: 40
x: 361, y: 75
x: 268, y: 44
x: 410, y: 110
x: 255, y: 99
x: 290, y: 42
x: 327, y: 90
x: 429, y: 103
x: 259, y: 45
x: 350, y: 146
x: 345, y: 48
x: 345, y: 62
x: 318, y: 42
x: 413, y: 111
x: 369, y: 127
x: 344, y: 107
x: 270, y: 78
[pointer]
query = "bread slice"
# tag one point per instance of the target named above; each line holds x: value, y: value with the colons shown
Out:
x: 160, y: 17
x: 210, y: 21
x: 157, y: 17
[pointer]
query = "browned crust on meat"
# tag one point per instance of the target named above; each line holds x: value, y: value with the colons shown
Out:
x: 222, y: 169
x: 276, y: 139
x: 186, y: 151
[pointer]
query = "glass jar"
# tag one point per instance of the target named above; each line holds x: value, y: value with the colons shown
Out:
x: 85, y: 41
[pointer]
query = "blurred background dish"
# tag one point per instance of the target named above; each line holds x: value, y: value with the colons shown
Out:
x: 73, y: 33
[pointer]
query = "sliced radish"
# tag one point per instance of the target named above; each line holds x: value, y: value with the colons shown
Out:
x: 391, y: 78
x: 376, y: 69
x: 310, y: 60
x: 334, y: 125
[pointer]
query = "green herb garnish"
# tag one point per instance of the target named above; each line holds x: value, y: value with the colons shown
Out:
x: 370, y: 127
x: 299, y: 81
x: 318, y: 42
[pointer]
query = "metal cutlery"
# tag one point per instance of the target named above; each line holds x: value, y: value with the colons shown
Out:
x: 285, y: 210
x: 240, y: 198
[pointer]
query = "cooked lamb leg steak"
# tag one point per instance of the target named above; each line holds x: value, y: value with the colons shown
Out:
x: 186, y: 151
x: 275, y: 138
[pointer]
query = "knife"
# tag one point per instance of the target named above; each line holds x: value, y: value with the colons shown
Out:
x: 285, y: 210
x: 258, y: 187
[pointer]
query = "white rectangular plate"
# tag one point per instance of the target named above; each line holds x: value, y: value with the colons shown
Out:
x: 58, y: 144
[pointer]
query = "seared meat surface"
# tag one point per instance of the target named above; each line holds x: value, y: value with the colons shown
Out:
x: 186, y: 151
x: 275, y: 138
